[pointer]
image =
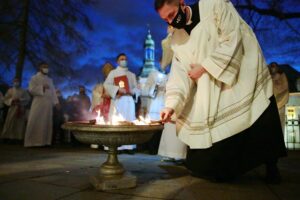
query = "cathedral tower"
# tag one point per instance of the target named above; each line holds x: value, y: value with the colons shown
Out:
x: 149, y: 58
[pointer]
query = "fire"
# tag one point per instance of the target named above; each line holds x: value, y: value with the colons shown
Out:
x: 142, y: 121
x: 118, y: 119
x: 99, y: 118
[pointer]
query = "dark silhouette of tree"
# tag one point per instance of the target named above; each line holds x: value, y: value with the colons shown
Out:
x: 276, y: 23
x: 43, y: 30
x: 274, y: 9
x: 255, y: 11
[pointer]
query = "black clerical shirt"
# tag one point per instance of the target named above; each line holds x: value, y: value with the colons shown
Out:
x: 195, y: 18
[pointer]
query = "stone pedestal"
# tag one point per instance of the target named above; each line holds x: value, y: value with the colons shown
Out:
x: 104, y: 183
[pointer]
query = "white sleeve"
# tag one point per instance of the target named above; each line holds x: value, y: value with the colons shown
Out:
x: 110, y: 86
x: 178, y: 88
x: 35, y: 88
x: 225, y: 61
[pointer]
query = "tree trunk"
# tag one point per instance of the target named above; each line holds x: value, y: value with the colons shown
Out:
x: 23, y: 24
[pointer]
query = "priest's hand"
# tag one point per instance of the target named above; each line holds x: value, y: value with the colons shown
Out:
x: 166, y: 114
x: 196, y: 71
x: 121, y: 92
x: 45, y: 87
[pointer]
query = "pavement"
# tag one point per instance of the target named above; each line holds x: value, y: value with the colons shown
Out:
x: 62, y: 173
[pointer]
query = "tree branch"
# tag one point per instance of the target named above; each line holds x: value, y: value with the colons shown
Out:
x: 270, y: 12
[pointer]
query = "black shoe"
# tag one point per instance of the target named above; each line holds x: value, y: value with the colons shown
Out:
x: 212, y: 179
x: 167, y: 159
x: 180, y: 162
x: 126, y: 151
x: 272, y: 175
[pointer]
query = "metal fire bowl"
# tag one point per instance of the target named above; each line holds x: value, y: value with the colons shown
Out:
x: 115, y: 135
x: 112, y: 174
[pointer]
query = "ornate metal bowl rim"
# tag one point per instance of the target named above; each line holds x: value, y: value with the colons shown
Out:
x: 86, y: 126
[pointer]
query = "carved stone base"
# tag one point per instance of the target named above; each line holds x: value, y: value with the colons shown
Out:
x: 103, y: 183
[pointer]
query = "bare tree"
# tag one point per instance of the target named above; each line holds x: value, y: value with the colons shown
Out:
x: 253, y: 13
x: 35, y: 30
x: 274, y: 9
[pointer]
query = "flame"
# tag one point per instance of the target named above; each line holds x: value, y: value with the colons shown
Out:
x: 117, y: 118
x: 142, y: 121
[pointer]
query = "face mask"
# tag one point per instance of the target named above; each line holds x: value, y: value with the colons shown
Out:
x: 16, y: 84
x: 123, y: 63
x: 45, y: 70
x: 81, y: 92
x: 179, y: 20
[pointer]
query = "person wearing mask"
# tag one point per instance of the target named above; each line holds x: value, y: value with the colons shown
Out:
x: 16, y: 99
x: 121, y: 85
x: 101, y: 101
x: 1, y: 111
x: 40, y: 119
x: 154, y: 92
x: 84, y: 103
x: 220, y: 92
x: 171, y: 148
x: 281, y: 90
x: 59, y: 119
x: 100, y: 97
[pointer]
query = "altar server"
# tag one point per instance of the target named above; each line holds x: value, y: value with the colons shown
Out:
x: 16, y: 99
x: 171, y: 148
x: 221, y: 92
x: 39, y: 126
x: 121, y: 85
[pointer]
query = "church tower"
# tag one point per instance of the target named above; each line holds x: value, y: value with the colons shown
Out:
x: 149, y: 59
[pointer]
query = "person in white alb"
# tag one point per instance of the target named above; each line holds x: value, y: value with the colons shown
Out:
x: 220, y: 91
x: 40, y: 122
x: 170, y: 147
x: 17, y: 99
x: 122, y: 95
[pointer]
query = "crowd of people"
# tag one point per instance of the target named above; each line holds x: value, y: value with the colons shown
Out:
x: 35, y: 115
x: 217, y: 104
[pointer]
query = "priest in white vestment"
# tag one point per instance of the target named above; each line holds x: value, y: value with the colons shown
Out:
x: 170, y: 147
x: 154, y: 89
x: 40, y: 124
x: 122, y: 92
x: 17, y: 99
x: 221, y: 91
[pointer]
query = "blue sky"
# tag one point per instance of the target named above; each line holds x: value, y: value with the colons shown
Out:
x: 122, y: 25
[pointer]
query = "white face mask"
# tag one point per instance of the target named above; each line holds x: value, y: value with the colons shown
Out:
x: 123, y: 63
x: 16, y: 84
x: 45, y: 70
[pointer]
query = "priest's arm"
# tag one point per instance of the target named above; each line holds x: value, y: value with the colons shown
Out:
x: 178, y: 88
x: 36, y: 87
x: 224, y: 62
x: 110, y: 87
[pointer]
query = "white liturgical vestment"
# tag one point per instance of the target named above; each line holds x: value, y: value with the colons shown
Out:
x: 14, y: 127
x: 236, y: 88
x: 124, y: 105
x: 40, y: 122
